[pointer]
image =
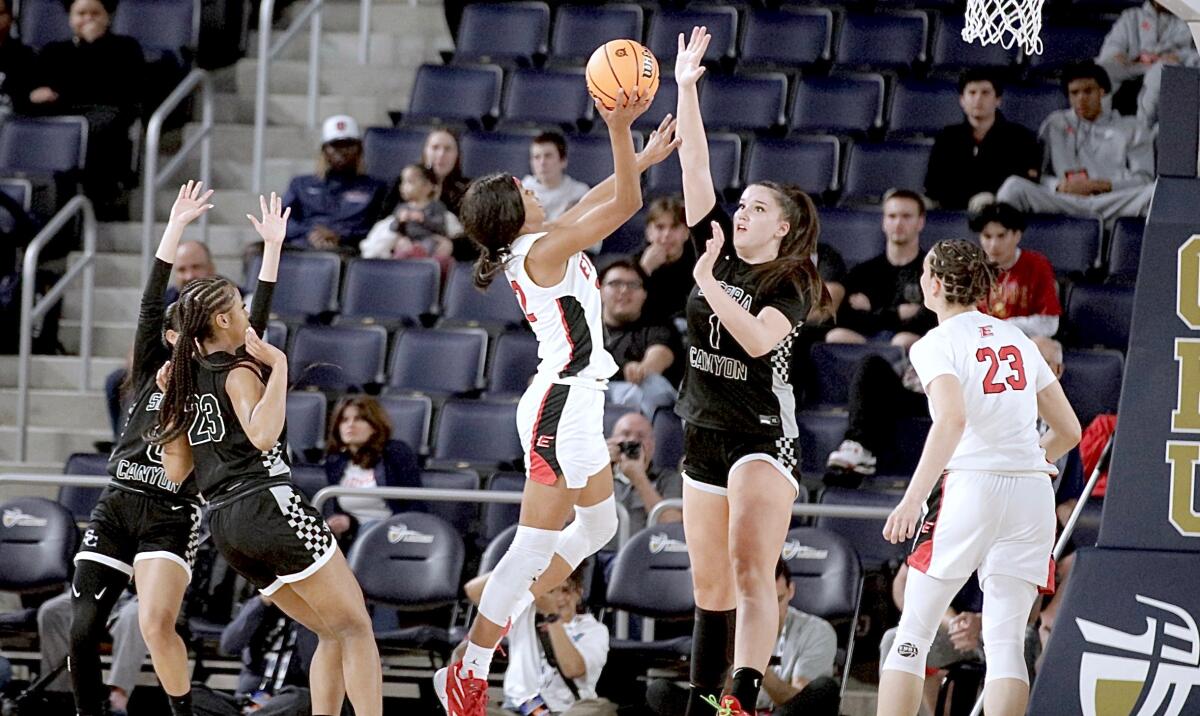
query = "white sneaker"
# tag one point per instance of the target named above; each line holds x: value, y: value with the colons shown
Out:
x: 852, y: 456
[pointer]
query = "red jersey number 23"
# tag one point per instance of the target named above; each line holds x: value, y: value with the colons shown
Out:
x: 1009, y: 355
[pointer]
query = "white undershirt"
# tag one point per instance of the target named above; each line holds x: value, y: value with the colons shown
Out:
x: 363, y: 509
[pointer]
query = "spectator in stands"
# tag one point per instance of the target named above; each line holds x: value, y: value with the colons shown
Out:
x: 441, y: 154
x: 334, y: 208
x: 799, y: 682
x: 639, y: 484
x: 1140, y: 43
x: 259, y: 637
x: 1025, y: 292
x: 361, y: 453
x: 1095, y: 162
x: 420, y: 226
x: 883, y: 295
x: 978, y: 154
x: 16, y: 62
x: 647, y: 354
x: 667, y: 260
x: 100, y: 76
x: 556, y: 651
x: 549, y: 181
x: 128, y: 648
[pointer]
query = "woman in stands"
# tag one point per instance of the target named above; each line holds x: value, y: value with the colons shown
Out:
x: 441, y: 154
x: 986, y: 475
x: 560, y: 418
x: 146, y: 525
x: 751, y: 298
x: 224, y: 397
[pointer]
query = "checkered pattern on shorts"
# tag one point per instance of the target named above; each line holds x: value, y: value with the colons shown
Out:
x: 310, y: 530
x: 193, y: 544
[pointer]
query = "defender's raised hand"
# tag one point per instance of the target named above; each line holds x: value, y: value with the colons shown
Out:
x: 688, y: 59
x: 191, y: 203
x: 273, y: 226
x: 661, y: 143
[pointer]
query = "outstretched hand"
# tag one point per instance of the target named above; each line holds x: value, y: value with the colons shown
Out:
x: 688, y: 58
x: 273, y: 226
x: 190, y: 204
x: 628, y: 107
x: 712, y: 251
x: 264, y: 352
x: 661, y: 143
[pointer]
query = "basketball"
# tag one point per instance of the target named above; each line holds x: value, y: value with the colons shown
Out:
x: 621, y: 64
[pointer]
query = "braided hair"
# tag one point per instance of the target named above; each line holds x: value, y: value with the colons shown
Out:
x: 964, y: 271
x: 192, y: 318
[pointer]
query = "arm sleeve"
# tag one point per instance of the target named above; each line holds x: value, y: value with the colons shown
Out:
x: 148, y: 351
x: 702, y: 231
x: 260, y: 306
x: 1115, y: 40
x: 818, y: 649
x: 931, y: 358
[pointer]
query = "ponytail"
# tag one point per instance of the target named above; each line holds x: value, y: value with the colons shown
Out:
x: 797, y: 249
x: 490, y: 263
x: 492, y: 215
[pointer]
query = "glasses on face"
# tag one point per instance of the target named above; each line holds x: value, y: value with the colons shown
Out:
x: 623, y: 285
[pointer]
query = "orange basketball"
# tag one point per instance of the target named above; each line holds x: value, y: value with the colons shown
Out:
x: 621, y: 63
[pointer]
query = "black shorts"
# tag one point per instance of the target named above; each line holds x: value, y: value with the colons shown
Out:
x: 710, y: 455
x: 129, y: 527
x: 272, y: 537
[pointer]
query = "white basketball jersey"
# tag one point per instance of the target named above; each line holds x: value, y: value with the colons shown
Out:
x: 1001, y: 372
x: 565, y: 318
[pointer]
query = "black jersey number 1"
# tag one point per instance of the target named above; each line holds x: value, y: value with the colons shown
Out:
x: 208, y: 426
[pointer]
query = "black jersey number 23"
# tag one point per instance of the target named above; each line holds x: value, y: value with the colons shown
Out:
x: 208, y: 426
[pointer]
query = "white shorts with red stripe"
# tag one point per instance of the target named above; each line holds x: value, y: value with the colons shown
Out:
x: 996, y: 524
x: 562, y: 430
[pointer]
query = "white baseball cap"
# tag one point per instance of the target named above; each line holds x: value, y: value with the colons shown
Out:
x: 339, y: 126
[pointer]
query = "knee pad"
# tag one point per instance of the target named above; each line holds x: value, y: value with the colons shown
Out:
x: 909, y: 652
x: 527, y: 557
x: 925, y: 601
x: 593, y: 527
x: 1006, y: 605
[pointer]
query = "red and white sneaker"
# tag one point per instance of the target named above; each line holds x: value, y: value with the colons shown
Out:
x: 727, y: 706
x: 460, y: 696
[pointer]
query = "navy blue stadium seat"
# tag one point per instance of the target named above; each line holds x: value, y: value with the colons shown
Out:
x: 665, y: 101
x: 306, y: 411
x: 389, y: 291
x: 1071, y: 243
x: 81, y: 500
x: 744, y: 103
x: 652, y: 577
x: 1125, y: 249
x: 820, y: 434
x: 923, y: 107
x: 309, y: 479
x: 835, y: 364
x: 792, y: 37
x: 1063, y: 44
x: 1031, y: 104
x: 580, y: 29
x: 828, y: 577
x: 410, y: 416
x: 665, y: 26
x: 514, y: 362
x: 668, y: 438
x: 43, y: 145
x: 462, y: 303
x: 387, y: 150
x: 166, y: 29
x: 277, y: 334
x: 19, y: 190
x: 459, y: 514
x: 544, y: 97
x: 36, y: 544
x: 950, y: 53
x: 307, y: 283
x: 42, y: 22
x: 337, y: 357
x: 1092, y: 381
x: 487, y: 152
x: 455, y: 94
x: 496, y: 517
x: 724, y: 161
x: 629, y: 238
x: 507, y: 32
x: 810, y: 163
x: 857, y: 234
x: 943, y: 225
x: 872, y: 169
x: 438, y: 361
x: 846, y: 104
x: 1100, y: 315
x: 874, y: 551
x: 882, y: 40
x: 589, y: 156
x: 478, y: 432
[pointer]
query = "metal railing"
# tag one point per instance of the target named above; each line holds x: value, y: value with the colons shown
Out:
x: 267, y: 54
x: 153, y: 178
x: 31, y: 311
x: 42, y: 480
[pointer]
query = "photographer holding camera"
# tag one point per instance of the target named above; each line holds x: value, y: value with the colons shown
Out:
x: 638, y: 483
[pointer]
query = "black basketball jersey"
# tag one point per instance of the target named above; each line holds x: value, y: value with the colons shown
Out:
x: 724, y: 388
x: 227, y: 464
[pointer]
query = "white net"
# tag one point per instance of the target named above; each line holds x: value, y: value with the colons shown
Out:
x: 1008, y: 22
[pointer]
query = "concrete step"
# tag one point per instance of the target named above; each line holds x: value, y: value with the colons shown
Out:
x: 391, y: 18
x: 110, y: 339
x: 124, y: 270
x: 292, y: 109
x: 235, y: 173
x: 52, y: 445
x: 339, y: 49
x: 236, y: 141
x: 58, y: 372
x: 230, y: 206
x: 37, y: 468
x: 393, y: 81
x: 126, y: 238
x: 58, y: 408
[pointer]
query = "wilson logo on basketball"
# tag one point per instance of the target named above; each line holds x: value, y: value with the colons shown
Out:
x: 649, y: 64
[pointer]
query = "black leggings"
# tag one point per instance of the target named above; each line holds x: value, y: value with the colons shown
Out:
x: 94, y: 591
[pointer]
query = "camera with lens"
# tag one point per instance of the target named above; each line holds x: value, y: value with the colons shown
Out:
x: 630, y: 448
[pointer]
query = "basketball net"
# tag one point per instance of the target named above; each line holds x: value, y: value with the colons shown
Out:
x: 1007, y: 22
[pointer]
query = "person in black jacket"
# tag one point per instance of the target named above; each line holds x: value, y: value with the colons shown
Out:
x: 16, y: 61
x: 362, y: 454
